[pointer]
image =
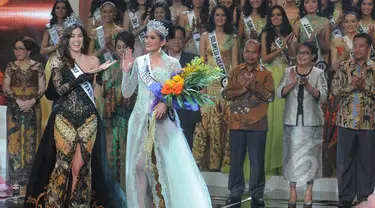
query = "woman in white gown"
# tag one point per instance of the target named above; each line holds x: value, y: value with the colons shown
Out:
x: 165, y: 176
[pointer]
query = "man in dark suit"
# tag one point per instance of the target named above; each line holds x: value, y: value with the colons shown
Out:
x: 188, y: 119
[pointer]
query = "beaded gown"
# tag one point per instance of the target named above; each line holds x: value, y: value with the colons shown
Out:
x: 211, y: 139
x: 74, y: 120
x: 174, y: 180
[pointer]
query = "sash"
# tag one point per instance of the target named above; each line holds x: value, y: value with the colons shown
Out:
x: 336, y: 32
x: 349, y: 43
x: 279, y: 44
x: 217, y: 56
x: 196, y: 34
x: 361, y: 28
x: 54, y: 35
x: 96, y: 16
x: 100, y: 32
x: 135, y: 24
x: 249, y: 23
x: 216, y: 51
x: 309, y: 31
x: 146, y: 75
x: 86, y: 86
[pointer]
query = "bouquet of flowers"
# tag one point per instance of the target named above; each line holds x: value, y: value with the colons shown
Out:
x: 182, y: 91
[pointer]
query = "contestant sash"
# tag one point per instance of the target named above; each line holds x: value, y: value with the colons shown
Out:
x: 54, y: 35
x: 349, y: 43
x: 146, y: 74
x: 100, y: 32
x: 336, y: 32
x: 135, y: 24
x: 279, y: 44
x: 309, y: 31
x: 249, y: 23
x: 216, y: 51
x: 86, y: 86
x: 196, y: 34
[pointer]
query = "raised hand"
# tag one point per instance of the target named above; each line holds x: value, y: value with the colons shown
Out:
x: 127, y: 60
x: 102, y: 67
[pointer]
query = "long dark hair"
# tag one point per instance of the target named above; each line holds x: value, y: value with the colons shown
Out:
x: 54, y: 18
x: 228, y: 26
x: 163, y: 5
x: 269, y: 29
x: 205, y: 12
x: 302, y: 11
x: 231, y: 10
x: 360, y: 10
x: 65, y: 48
x: 134, y: 7
x: 262, y: 11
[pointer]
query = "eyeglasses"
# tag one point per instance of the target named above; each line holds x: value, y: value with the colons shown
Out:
x: 19, y: 48
x: 303, y: 53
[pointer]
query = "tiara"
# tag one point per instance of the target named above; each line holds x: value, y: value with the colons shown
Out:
x: 158, y: 27
x: 71, y: 20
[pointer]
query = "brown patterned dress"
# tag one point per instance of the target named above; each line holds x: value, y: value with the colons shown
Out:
x: 23, y: 128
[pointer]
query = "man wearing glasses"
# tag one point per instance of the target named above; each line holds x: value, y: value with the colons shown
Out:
x: 188, y: 119
x: 250, y: 88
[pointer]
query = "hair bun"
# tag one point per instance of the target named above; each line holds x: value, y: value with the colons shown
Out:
x: 30, y: 45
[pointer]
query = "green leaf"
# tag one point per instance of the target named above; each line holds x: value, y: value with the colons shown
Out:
x: 169, y: 100
x: 180, y: 101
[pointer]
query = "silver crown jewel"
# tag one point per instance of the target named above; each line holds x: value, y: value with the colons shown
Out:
x: 71, y: 20
x: 158, y: 27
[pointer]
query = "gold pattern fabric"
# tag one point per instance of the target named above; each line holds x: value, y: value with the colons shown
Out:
x: 23, y: 127
x: 67, y: 137
x: 211, y: 143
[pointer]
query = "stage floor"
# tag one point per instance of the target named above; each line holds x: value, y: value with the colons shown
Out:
x: 274, y: 199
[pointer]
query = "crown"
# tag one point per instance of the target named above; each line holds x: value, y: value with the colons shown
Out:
x: 158, y: 27
x: 71, y: 20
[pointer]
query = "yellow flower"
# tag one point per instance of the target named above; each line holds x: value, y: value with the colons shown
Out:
x: 170, y: 83
x: 177, y: 78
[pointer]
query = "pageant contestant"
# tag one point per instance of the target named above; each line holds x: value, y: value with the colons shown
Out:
x: 70, y: 168
x: 160, y: 169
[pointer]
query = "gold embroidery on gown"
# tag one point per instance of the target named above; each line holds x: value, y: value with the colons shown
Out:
x: 211, y: 143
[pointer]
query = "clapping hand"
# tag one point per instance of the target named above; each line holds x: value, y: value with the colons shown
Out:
x: 102, y: 67
x: 357, y: 83
x: 127, y: 60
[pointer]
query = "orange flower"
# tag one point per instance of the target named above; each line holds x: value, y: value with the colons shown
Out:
x: 167, y: 89
x: 177, y: 89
